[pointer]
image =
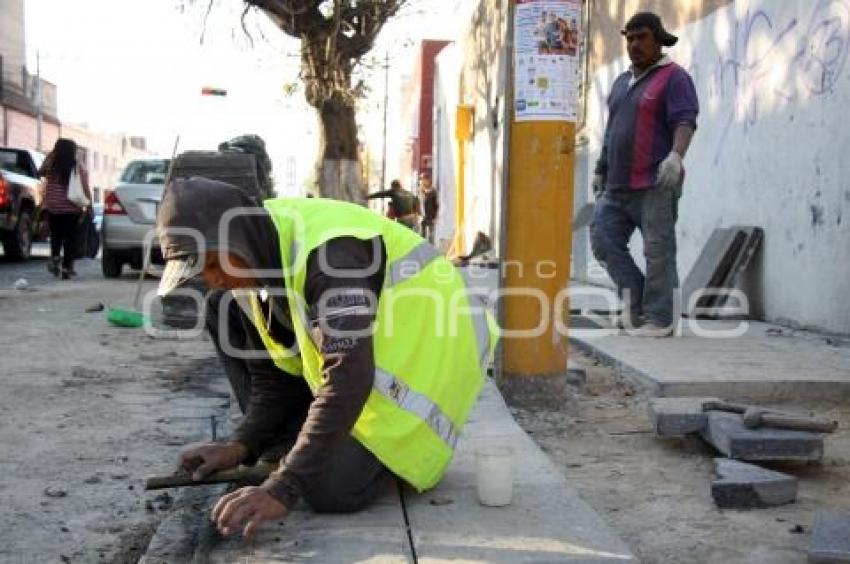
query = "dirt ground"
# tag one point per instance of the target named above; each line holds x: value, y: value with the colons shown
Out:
x: 86, y: 412
x: 655, y: 492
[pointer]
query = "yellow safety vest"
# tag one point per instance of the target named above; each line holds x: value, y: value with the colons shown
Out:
x: 433, y: 339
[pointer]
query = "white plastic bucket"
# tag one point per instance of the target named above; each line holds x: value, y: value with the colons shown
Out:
x: 494, y: 475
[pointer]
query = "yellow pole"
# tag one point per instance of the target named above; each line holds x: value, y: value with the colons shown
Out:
x: 538, y: 246
x: 538, y: 243
x: 463, y: 134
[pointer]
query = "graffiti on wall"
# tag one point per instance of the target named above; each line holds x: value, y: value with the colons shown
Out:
x: 772, y: 61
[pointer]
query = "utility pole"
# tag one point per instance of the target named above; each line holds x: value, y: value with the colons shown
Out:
x: 386, y: 101
x: 537, y: 225
x: 38, y: 101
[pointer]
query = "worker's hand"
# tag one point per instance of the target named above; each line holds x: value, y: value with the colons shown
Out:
x: 670, y: 171
x: 205, y: 459
x: 598, y: 184
x: 246, y: 509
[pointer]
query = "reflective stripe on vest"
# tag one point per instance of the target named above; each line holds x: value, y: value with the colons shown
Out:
x: 418, y: 404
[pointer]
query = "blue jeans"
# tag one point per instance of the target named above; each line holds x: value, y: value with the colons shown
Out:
x: 654, y: 212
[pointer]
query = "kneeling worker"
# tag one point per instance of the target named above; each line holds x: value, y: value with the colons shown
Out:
x: 354, y: 348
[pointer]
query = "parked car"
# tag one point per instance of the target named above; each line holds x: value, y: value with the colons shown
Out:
x: 97, y: 215
x: 129, y: 212
x: 20, y: 215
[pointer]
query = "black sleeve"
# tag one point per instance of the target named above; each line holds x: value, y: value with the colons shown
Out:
x: 342, y: 306
x: 277, y: 400
x: 271, y: 400
x: 381, y: 194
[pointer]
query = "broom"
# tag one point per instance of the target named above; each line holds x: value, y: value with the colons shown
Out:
x: 131, y: 317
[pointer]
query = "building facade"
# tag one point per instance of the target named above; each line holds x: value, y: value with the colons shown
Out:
x: 105, y: 154
x: 28, y: 109
x: 417, y: 109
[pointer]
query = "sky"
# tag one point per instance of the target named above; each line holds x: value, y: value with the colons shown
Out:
x: 138, y: 66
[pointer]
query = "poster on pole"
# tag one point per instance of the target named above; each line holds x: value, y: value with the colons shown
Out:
x: 547, y: 35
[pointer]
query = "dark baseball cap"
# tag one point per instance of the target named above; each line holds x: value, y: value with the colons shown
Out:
x: 188, y: 225
x: 652, y: 22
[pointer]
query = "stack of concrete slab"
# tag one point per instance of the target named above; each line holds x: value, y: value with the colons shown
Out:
x: 723, y: 260
x: 740, y: 485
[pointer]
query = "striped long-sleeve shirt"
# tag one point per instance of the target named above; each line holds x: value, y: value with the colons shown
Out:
x: 643, y: 114
x: 56, y: 199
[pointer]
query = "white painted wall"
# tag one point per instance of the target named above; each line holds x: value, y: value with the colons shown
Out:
x: 446, y: 98
x: 771, y: 150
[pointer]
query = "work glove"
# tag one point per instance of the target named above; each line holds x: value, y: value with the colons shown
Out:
x: 670, y: 171
x: 598, y: 184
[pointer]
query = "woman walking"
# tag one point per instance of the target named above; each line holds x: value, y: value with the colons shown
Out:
x: 63, y: 215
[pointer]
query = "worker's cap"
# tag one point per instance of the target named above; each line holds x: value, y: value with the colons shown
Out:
x: 187, y: 224
x: 653, y: 23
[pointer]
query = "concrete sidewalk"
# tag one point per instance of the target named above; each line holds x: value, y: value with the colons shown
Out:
x: 728, y: 359
x: 547, y: 521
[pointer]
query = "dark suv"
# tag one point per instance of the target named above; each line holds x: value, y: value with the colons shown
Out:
x: 20, y: 216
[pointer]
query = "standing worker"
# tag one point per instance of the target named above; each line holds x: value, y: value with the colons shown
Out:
x: 404, y: 206
x: 353, y: 343
x: 430, y: 206
x: 638, y: 178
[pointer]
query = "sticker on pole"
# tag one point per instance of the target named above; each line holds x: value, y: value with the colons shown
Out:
x: 547, y: 36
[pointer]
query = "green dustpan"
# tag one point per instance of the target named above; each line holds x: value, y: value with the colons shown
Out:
x: 125, y: 318
x: 130, y: 317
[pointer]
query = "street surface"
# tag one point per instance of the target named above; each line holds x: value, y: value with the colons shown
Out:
x: 87, y: 411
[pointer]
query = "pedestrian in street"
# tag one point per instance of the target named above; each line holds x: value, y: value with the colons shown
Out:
x: 638, y: 178
x: 404, y: 206
x: 64, y: 217
x: 430, y: 206
x: 332, y: 343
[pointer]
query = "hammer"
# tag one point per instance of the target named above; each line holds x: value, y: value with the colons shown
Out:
x: 247, y: 474
x: 755, y: 417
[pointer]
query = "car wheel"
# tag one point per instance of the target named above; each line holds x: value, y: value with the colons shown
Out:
x: 111, y: 264
x: 18, y: 244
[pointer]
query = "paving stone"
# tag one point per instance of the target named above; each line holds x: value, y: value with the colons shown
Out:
x: 712, y: 266
x: 673, y: 417
x: 830, y: 542
x: 746, y: 486
x: 726, y: 432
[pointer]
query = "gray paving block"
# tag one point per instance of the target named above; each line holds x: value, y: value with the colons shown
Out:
x: 830, y: 542
x: 712, y: 266
x: 726, y: 432
x: 674, y: 417
x: 746, y: 486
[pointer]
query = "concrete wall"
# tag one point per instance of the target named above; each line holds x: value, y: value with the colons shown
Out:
x: 446, y: 98
x: 774, y: 85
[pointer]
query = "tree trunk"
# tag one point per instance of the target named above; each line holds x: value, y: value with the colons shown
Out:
x: 338, y: 168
